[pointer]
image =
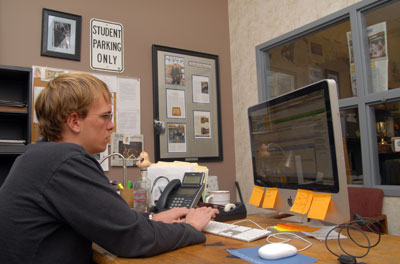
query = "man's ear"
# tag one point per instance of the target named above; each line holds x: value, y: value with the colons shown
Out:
x: 73, y: 122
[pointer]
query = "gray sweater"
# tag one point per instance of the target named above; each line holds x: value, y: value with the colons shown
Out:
x: 56, y: 201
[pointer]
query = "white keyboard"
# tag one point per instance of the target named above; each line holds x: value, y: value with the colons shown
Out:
x: 243, y: 233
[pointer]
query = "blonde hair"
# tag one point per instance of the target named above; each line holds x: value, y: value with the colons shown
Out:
x: 66, y: 94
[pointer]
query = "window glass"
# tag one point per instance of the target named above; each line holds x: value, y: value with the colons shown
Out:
x: 383, y: 31
x: 352, y: 146
x: 387, y: 118
x: 320, y: 55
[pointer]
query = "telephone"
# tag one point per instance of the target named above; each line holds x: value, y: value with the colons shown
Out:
x: 186, y: 194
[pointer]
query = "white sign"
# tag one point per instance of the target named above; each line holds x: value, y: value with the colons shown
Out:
x: 106, y: 46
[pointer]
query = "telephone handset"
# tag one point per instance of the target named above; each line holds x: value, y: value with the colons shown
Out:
x: 186, y: 194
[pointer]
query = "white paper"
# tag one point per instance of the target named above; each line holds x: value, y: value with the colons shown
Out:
x: 128, y: 106
x: 128, y: 122
x: 104, y: 165
x: 378, y: 55
x: 201, y: 86
x: 169, y: 171
x: 176, y: 103
x: 110, y: 80
x: 321, y: 234
x: 202, y: 124
x: 36, y: 91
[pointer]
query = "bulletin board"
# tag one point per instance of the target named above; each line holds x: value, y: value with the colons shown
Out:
x: 186, y: 105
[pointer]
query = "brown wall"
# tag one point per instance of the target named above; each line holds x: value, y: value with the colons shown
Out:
x: 186, y: 24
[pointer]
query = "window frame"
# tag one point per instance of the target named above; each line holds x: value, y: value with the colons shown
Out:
x: 365, y: 101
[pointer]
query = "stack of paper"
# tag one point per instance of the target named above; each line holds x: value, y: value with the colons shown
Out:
x: 157, y: 173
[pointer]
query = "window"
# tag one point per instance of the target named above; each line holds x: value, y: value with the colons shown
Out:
x: 357, y: 47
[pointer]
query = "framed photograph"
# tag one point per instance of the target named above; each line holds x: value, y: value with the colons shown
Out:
x: 61, y: 35
x: 187, y: 105
x: 334, y: 76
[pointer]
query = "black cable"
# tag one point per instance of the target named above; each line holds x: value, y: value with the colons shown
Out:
x: 360, y: 221
x: 240, y: 193
x: 155, y: 181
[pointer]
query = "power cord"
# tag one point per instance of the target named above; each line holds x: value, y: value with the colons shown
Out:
x: 277, y: 235
x: 249, y: 220
x: 370, y: 223
x: 285, y: 240
x: 156, y: 180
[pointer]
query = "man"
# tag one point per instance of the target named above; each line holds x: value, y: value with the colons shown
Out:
x: 56, y: 199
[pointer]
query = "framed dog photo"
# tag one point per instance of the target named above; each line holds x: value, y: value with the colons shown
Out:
x: 61, y: 35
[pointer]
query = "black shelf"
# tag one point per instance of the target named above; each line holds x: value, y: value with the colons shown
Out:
x: 15, y: 115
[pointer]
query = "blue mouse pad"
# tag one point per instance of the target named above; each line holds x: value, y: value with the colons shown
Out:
x: 251, y: 255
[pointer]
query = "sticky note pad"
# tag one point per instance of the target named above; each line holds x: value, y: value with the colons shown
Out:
x: 319, y: 205
x: 256, y: 195
x: 281, y: 229
x: 302, y: 202
x: 270, y: 197
x: 298, y: 227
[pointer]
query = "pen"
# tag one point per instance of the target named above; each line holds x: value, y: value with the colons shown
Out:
x: 120, y: 186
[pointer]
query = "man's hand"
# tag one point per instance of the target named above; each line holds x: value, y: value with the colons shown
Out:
x: 199, y: 217
x: 171, y: 216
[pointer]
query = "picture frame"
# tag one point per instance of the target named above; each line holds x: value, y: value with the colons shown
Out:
x: 187, y: 122
x: 61, y: 35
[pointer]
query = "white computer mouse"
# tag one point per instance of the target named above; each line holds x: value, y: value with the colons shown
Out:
x: 277, y: 251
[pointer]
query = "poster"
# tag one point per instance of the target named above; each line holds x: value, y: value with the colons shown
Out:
x: 174, y: 70
x: 378, y: 57
x: 130, y: 146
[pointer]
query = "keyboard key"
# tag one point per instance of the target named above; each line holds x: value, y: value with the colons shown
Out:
x: 235, y: 231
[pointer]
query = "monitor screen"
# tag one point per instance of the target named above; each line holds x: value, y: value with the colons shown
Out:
x: 296, y: 142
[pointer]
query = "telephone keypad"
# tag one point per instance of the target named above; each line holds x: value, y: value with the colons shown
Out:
x: 180, y: 202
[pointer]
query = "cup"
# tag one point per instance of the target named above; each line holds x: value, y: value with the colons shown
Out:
x: 219, y: 197
x: 127, y: 195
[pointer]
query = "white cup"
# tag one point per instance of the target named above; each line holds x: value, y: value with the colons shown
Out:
x: 219, y: 197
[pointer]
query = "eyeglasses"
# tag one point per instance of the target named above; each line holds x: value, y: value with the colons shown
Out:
x: 108, y: 116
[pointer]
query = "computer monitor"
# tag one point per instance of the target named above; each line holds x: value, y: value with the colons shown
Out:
x: 296, y: 143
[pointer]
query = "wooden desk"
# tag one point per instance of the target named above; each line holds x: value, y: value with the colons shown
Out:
x: 214, y: 249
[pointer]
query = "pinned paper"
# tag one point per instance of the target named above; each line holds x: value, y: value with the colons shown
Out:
x: 302, y: 202
x: 319, y: 206
x: 270, y: 197
x: 256, y: 195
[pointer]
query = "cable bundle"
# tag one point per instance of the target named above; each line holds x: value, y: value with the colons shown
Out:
x: 370, y: 223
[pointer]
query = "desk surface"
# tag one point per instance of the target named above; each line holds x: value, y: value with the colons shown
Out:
x: 214, y: 249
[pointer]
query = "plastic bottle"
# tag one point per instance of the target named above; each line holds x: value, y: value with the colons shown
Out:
x: 141, y: 193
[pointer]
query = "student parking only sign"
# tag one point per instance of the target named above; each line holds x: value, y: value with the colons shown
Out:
x: 106, y: 46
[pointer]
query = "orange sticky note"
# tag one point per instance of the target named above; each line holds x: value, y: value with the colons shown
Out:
x: 302, y: 202
x: 297, y: 227
x: 256, y: 195
x: 281, y: 229
x: 319, y: 205
x: 270, y: 197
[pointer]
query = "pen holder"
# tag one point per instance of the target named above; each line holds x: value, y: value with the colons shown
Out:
x: 127, y: 195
